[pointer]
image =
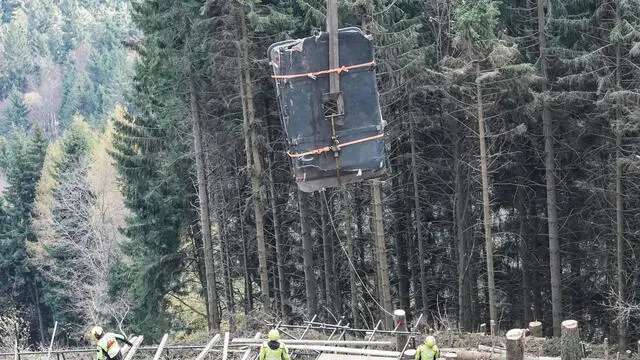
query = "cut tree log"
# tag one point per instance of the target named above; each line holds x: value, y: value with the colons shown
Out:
x: 134, y: 347
x: 483, y: 329
x: 163, y: 342
x: 345, y: 350
x: 497, y: 350
x: 206, y: 350
x: 535, y: 329
x: 325, y: 356
x: 244, y: 341
x: 570, y: 348
x: 515, y: 344
x: 483, y: 355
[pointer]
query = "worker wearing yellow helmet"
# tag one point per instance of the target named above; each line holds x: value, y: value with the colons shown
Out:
x: 274, y: 349
x: 429, y: 350
x: 108, y: 345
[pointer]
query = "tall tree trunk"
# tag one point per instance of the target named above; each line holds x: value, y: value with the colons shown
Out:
x: 491, y: 287
x: 280, y: 255
x: 524, y: 257
x: 417, y: 209
x: 36, y: 293
x: 221, y: 219
x: 226, y: 264
x: 552, y: 211
x: 319, y: 261
x: 307, y: 255
x: 381, y: 254
x: 415, y: 264
x: 254, y: 163
x: 460, y: 229
x: 401, y: 229
x: 622, y: 328
x: 205, y: 225
x: 248, y: 289
x: 327, y: 250
x: 349, y: 216
x: 402, y: 262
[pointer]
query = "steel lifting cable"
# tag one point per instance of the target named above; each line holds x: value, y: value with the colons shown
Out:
x: 333, y: 225
x: 314, y: 74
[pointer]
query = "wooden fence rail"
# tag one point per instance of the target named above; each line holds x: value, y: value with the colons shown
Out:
x: 57, y: 354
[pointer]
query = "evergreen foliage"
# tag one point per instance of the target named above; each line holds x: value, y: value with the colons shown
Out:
x: 15, y: 114
x: 23, y: 157
x: 201, y: 83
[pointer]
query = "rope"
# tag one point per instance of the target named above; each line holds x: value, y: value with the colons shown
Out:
x: 313, y: 75
x: 333, y: 225
x: 336, y: 147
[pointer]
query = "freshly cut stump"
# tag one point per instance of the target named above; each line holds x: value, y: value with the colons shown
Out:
x: 401, y: 324
x: 570, y: 348
x: 515, y: 344
x: 535, y: 329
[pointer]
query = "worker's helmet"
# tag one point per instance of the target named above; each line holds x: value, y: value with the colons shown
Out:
x: 430, y: 341
x: 274, y: 335
x: 97, y: 332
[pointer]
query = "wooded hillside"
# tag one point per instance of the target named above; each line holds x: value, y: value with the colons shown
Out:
x: 216, y: 232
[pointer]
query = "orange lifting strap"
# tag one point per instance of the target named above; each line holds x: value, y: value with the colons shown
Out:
x: 329, y: 148
x: 313, y: 75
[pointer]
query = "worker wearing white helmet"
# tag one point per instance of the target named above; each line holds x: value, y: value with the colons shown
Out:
x: 274, y: 349
x: 108, y: 346
x: 429, y: 350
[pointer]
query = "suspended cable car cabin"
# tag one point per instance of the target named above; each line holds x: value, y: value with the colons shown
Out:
x: 329, y: 147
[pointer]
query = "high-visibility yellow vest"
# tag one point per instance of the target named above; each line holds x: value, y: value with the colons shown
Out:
x: 423, y: 352
x: 267, y: 353
x: 109, y: 343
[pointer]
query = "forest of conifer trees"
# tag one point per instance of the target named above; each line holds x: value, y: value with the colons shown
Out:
x: 147, y: 186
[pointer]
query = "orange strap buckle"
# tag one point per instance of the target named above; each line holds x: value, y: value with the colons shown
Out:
x: 338, y: 146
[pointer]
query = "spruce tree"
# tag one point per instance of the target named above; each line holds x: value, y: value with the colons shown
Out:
x: 157, y: 169
x: 23, y: 159
x: 15, y: 114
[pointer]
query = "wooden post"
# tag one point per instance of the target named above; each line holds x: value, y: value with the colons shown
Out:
x: 225, y: 346
x: 163, y: 342
x: 246, y: 354
x: 17, y: 357
x: 124, y: 349
x: 374, y: 330
x: 570, y: 341
x: 515, y: 344
x: 53, y: 336
x: 134, y: 347
x: 606, y: 348
x: 535, y: 328
x: 206, y: 350
x: 400, y: 318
